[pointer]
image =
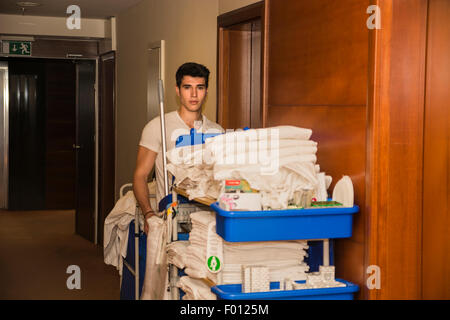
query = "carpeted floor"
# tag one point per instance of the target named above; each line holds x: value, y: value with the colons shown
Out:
x: 37, y: 247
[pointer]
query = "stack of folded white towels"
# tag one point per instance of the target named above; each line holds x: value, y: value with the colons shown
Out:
x: 277, y: 161
x: 285, y: 259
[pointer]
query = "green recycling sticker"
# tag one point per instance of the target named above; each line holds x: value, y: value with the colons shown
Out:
x: 214, y: 264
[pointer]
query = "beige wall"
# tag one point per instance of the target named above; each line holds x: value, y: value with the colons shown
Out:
x: 189, y: 30
x: 51, y: 26
x: 230, y: 5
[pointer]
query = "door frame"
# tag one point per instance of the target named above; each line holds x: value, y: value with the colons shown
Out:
x: 102, y: 132
x: 4, y: 134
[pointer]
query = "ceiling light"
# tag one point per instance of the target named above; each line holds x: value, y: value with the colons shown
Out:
x: 27, y: 4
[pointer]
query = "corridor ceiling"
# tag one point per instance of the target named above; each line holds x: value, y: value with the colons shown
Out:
x: 95, y: 9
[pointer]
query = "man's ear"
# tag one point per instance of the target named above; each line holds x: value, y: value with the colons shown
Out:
x: 177, y: 90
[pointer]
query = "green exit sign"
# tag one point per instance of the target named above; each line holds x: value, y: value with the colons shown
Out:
x: 22, y: 48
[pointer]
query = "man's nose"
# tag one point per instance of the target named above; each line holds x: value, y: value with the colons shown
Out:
x: 194, y: 92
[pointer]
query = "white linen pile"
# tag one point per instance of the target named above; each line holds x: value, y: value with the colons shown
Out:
x: 285, y: 259
x: 192, y: 173
x: 280, y: 162
x: 176, y: 253
x: 195, y: 289
x: 277, y: 161
x: 116, y: 227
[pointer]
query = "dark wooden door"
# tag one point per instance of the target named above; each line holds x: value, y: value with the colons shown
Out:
x: 26, y: 135
x: 60, y: 134
x: 85, y: 150
x: 106, y: 153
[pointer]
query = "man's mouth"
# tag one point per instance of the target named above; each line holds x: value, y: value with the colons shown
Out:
x: 193, y: 102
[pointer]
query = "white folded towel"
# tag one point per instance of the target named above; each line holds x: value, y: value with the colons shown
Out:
x: 176, y: 253
x: 195, y: 289
x: 279, y: 132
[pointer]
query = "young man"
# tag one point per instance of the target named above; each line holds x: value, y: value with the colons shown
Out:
x: 191, y: 88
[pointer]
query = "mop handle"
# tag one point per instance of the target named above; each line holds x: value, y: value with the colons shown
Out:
x: 163, y: 134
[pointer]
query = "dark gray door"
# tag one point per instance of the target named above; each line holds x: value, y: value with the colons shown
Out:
x: 26, y: 135
x: 85, y: 150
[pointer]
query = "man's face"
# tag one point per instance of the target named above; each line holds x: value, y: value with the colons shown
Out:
x: 192, y: 92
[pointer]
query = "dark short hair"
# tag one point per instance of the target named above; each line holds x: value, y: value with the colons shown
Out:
x: 194, y: 70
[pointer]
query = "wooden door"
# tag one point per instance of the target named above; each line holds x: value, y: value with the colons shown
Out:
x: 239, y: 67
x: 85, y: 150
x: 60, y: 134
x: 394, y: 172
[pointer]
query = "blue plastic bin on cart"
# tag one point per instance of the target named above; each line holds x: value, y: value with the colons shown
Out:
x: 234, y: 292
x: 290, y: 224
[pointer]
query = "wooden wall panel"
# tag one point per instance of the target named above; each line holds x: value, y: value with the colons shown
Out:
x: 436, y: 171
x: 317, y: 78
x: 395, y: 148
x: 317, y: 52
x: 341, y: 144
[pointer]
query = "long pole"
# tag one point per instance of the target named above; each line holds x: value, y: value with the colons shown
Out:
x: 163, y: 135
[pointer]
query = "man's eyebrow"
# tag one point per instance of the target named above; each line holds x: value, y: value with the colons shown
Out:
x: 190, y: 85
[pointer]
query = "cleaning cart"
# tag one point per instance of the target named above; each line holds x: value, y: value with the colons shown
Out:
x: 317, y: 225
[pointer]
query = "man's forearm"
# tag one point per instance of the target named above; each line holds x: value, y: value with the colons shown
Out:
x: 141, y: 193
